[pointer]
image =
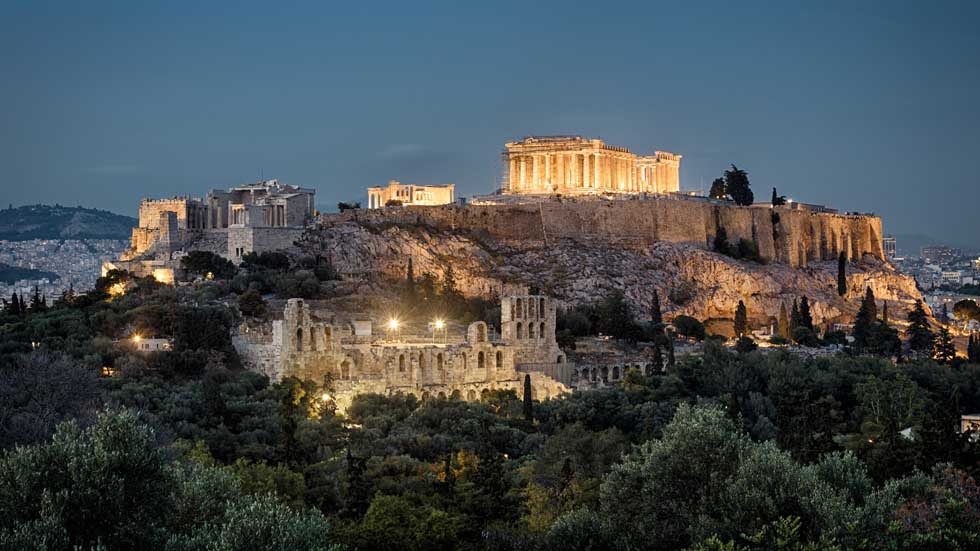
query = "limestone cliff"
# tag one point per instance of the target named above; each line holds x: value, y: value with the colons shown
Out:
x: 690, y: 280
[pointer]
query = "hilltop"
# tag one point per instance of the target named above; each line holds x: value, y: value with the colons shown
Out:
x: 59, y: 222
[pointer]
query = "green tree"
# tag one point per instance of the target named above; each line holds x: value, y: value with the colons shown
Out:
x: 613, y: 317
x: 251, y: 303
x: 806, y: 318
x: 919, y: 334
x: 841, y: 274
x: 794, y: 317
x: 720, y: 244
x: 528, y: 400
x: 718, y: 189
x: 689, y: 327
x: 943, y: 348
x: 866, y: 319
x: 965, y: 310
x: 778, y: 200
x: 741, y: 320
x: 737, y: 185
x: 783, y: 324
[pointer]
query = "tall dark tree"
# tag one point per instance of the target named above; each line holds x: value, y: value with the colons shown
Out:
x: 671, y: 359
x: 658, y: 359
x: 656, y: 316
x: 718, y: 190
x: 528, y: 401
x: 410, y: 281
x: 867, y: 317
x: 778, y: 200
x: 741, y: 320
x: 973, y: 349
x: 943, y: 349
x: 884, y: 312
x: 842, y: 274
x: 737, y: 184
x: 794, y: 317
x: 806, y: 318
x: 944, y: 314
x: 783, y: 325
x: 919, y: 334
x: 38, y: 303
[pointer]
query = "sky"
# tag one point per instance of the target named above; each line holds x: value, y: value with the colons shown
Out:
x: 863, y: 106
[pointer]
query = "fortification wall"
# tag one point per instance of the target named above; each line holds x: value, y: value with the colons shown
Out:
x: 798, y: 237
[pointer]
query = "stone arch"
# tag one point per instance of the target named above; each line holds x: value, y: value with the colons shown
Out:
x: 480, y: 360
x: 560, y: 359
x: 422, y: 363
x: 541, y: 331
x: 299, y: 339
x: 595, y: 374
x: 531, y: 308
x: 541, y: 307
x: 463, y: 355
x: 520, y: 308
x: 615, y: 372
x: 442, y: 396
x: 520, y: 331
x: 455, y: 395
x: 345, y: 370
x: 605, y: 373
x: 499, y: 356
x: 401, y: 363
x: 471, y: 395
x: 530, y: 330
x: 484, y: 393
x: 426, y: 396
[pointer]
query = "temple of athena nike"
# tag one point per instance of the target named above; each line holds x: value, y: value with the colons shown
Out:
x: 574, y: 165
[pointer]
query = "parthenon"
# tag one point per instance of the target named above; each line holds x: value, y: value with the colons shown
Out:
x: 574, y: 165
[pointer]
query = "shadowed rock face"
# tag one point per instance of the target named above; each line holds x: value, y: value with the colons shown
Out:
x: 690, y: 279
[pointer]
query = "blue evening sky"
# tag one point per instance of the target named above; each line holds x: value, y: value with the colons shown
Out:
x: 869, y: 106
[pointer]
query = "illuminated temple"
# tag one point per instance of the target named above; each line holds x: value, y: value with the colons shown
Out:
x: 574, y: 165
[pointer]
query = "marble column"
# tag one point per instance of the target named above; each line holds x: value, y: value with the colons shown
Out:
x: 585, y: 170
x: 512, y: 177
x: 595, y: 171
x: 523, y: 179
x: 547, y: 172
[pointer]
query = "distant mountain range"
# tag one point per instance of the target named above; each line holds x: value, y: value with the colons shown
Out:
x: 58, y: 222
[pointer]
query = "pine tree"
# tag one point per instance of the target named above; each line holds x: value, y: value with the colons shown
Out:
x: 783, y: 327
x: 741, y: 320
x: 806, y: 319
x: 718, y: 190
x: 656, y: 316
x: 920, y: 336
x: 842, y: 274
x: 528, y: 402
x: 737, y: 185
x: 943, y: 350
x: 867, y: 316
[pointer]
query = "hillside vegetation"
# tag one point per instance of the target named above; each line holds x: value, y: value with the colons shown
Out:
x: 59, y: 222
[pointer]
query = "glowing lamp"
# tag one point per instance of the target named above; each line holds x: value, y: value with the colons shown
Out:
x: 137, y: 338
x: 440, y: 324
x: 392, y: 324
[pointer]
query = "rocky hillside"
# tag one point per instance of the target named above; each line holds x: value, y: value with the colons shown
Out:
x: 58, y: 222
x: 690, y: 280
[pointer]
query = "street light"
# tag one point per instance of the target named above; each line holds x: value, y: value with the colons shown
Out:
x: 137, y: 338
x: 393, y: 324
x: 440, y: 324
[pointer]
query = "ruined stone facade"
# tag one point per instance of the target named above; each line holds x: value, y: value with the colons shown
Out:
x: 321, y: 346
x: 265, y: 216
x: 410, y: 194
x: 574, y: 165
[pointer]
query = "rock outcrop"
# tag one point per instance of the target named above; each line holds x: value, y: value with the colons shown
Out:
x: 689, y: 279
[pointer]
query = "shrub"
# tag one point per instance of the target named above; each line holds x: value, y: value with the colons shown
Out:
x: 689, y: 327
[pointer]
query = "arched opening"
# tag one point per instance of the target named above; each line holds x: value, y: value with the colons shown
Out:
x: 463, y: 356
x: 520, y: 331
x: 345, y: 370
x: 520, y: 308
x: 422, y: 361
x: 531, y: 309
x: 455, y: 395
x: 499, y: 360
x: 484, y: 393
x: 595, y: 374
x: 560, y: 360
x: 541, y: 331
x: 541, y: 307
x: 426, y: 396
x: 442, y: 395
x: 401, y: 363
x: 439, y: 361
x: 471, y: 395
x: 299, y: 339
x: 605, y: 374
x: 530, y: 330
x: 615, y: 372
x: 480, y: 361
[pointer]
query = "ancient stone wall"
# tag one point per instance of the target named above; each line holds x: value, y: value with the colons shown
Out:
x: 798, y: 237
x: 242, y: 241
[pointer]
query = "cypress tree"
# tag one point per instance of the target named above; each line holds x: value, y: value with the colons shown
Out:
x: 783, y: 327
x: 971, y: 351
x: 410, y: 280
x: 842, y: 274
x: 741, y: 320
x: 884, y: 312
x: 658, y: 359
x: 670, y: 351
x: 867, y: 316
x: 943, y: 350
x: 528, y: 402
x: 656, y: 316
x: 806, y: 319
x: 920, y: 336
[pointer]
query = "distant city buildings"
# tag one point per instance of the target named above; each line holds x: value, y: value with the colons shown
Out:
x: 939, y: 254
x: 76, y: 261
